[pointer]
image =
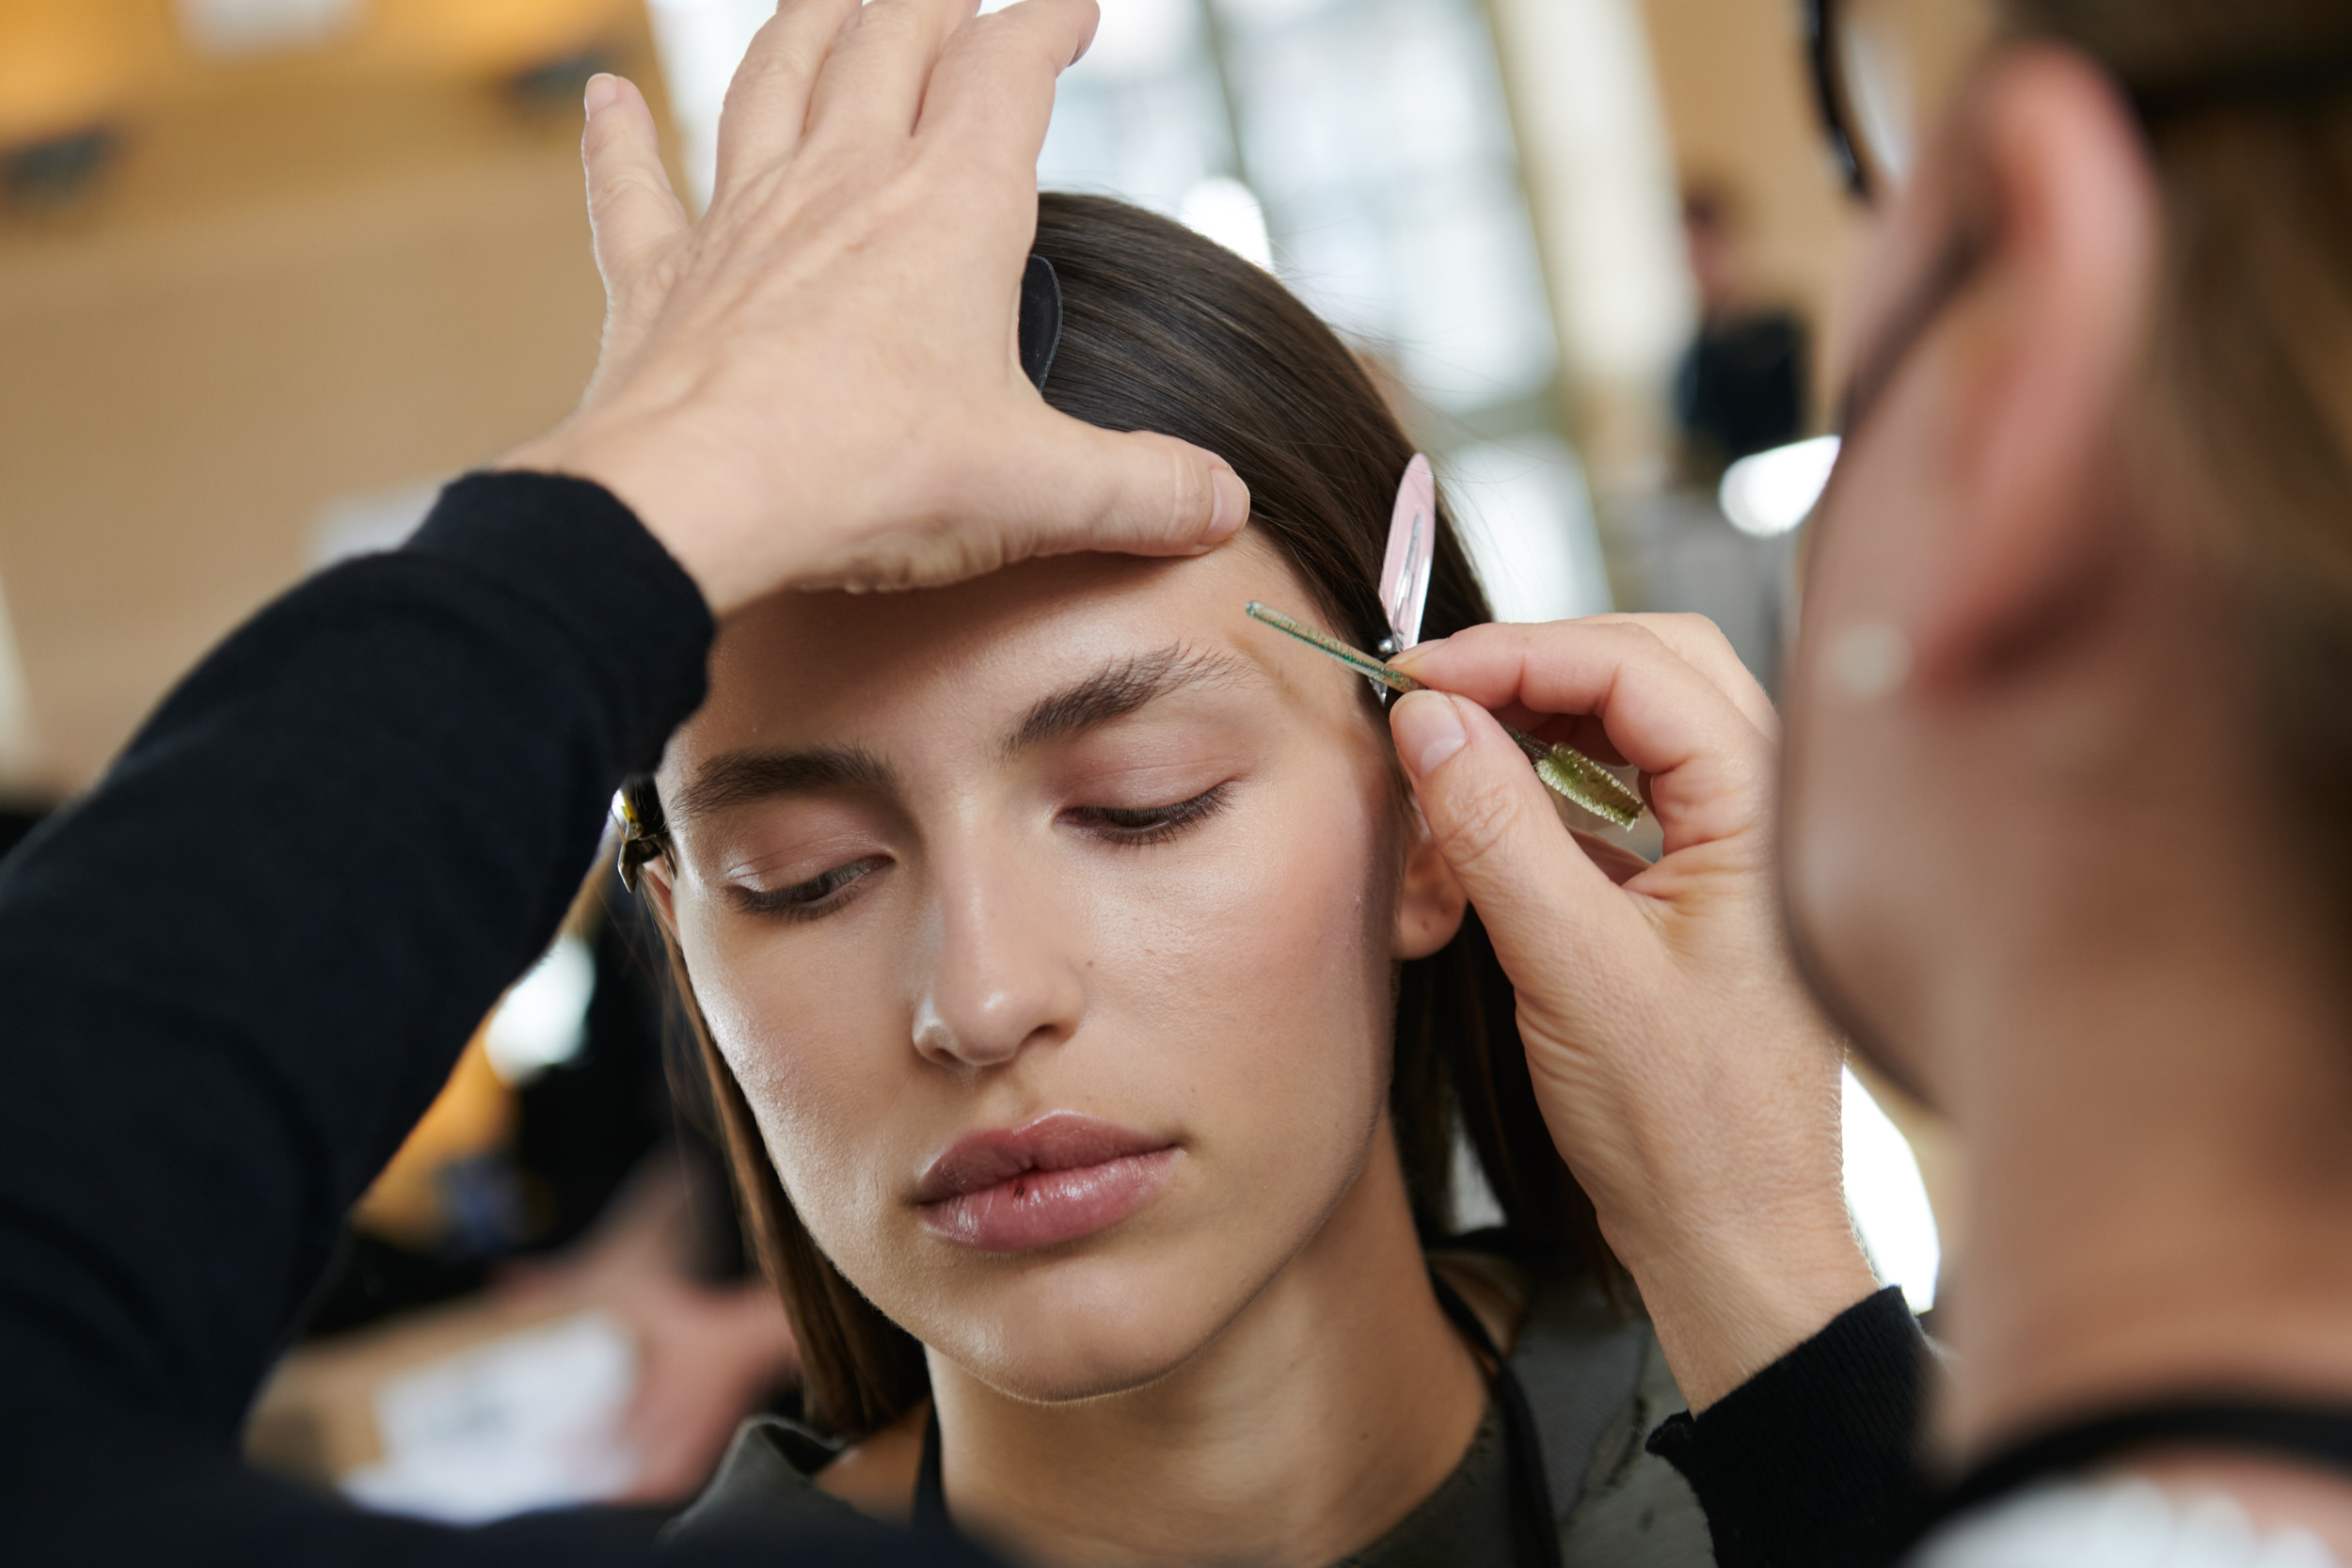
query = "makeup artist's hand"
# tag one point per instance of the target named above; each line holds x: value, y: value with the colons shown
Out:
x: 815, y: 384
x: 1684, y: 1072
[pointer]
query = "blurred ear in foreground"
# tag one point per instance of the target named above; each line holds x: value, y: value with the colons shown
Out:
x: 2040, y: 358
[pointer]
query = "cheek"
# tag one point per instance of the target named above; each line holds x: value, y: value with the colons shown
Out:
x: 1852, y: 767
x: 1829, y: 840
x: 804, y: 1025
x: 1259, y: 976
x: 1236, y: 986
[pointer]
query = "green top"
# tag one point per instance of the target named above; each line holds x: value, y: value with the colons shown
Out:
x: 1598, y: 1384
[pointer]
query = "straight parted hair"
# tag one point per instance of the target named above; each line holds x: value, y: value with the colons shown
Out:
x: 1166, y: 331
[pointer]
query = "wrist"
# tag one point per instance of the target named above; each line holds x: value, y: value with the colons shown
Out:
x: 1724, y: 1309
x: 654, y: 476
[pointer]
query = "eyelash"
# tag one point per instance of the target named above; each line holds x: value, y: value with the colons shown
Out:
x: 1150, y: 824
x: 818, y: 896
x: 828, y: 891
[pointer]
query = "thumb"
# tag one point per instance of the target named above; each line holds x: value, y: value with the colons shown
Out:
x: 1538, y: 894
x: 1088, y: 489
x: 631, y: 209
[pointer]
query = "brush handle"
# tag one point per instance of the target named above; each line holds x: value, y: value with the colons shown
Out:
x: 1566, y: 771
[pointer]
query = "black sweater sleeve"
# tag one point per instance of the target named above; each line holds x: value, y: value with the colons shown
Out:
x: 234, y: 975
x: 1811, y: 1464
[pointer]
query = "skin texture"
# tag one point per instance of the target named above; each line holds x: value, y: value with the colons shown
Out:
x: 1684, y: 1074
x: 1264, y: 1371
x: 2085, y: 956
x: 1998, y: 874
x: 816, y: 383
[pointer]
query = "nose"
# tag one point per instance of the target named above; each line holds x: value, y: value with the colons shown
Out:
x: 1005, y: 973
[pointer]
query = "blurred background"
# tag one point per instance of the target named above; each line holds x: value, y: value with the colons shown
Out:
x: 271, y: 271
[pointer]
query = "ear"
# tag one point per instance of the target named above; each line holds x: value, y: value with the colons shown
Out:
x: 654, y: 878
x: 2040, y: 354
x: 1429, y: 911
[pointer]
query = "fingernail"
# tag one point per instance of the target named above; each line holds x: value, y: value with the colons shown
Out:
x: 1233, y: 503
x: 603, y: 87
x: 1412, y: 655
x: 1427, y: 731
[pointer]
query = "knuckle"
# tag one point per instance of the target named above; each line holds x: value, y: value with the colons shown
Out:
x: 985, y: 31
x: 785, y: 59
x: 653, y: 283
x: 796, y: 60
x: 1694, y: 626
x: 614, y: 185
x: 1479, y: 825
x: 1644, y: 638
x: 888, y: 22
x: 1477, y: 643
x: 1007, y: 38
x: 1187, y: 487
x: 600, y: 139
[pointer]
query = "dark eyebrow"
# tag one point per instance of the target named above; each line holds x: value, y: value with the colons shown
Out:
x: 741, y: 776
x: 1118, y: 689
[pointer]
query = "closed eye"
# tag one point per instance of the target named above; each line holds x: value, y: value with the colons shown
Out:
x: 820, y: 895
x: 1147, y: 824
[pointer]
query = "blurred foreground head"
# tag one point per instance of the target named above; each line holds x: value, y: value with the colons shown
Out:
x: 2070, y: 804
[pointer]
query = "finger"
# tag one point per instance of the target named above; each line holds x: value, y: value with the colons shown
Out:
x: 631, y: 209
x: 1615, y: 861
x: 873, y: 83
x: 766, y: 102
x: 1085, y: 488
x: 992, y: 90
x: 1536, y: 891
x: 1579, y: 730
x: 1695, y: 638
x: 1709, y: 768
x: 1702, y: 643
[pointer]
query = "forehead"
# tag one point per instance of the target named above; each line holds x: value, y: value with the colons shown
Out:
x: 953, y: 664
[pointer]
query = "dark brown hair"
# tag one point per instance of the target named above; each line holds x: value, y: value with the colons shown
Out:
x: 2247, y: 107
x: 1164, y: 330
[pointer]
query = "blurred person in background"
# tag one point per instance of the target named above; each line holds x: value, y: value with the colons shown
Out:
x: 585, y: 1183
x: 1741, y: 387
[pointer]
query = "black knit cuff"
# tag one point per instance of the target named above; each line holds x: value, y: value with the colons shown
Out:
x: 1810, y: 1462
x: 573, y: 550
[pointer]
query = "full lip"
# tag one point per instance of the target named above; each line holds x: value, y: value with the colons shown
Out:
x: 1086, y: 1175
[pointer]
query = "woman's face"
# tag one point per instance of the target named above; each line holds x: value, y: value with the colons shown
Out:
x: 1048, y: 925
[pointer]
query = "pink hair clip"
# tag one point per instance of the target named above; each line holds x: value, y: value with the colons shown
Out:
x: 1403, y: 593
x: 1412, y: 546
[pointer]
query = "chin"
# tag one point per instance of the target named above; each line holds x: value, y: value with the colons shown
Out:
x: 1085, y: 1328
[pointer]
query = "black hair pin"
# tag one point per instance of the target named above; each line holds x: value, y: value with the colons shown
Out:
x: 1040, y: 332
x: 639, y: 843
